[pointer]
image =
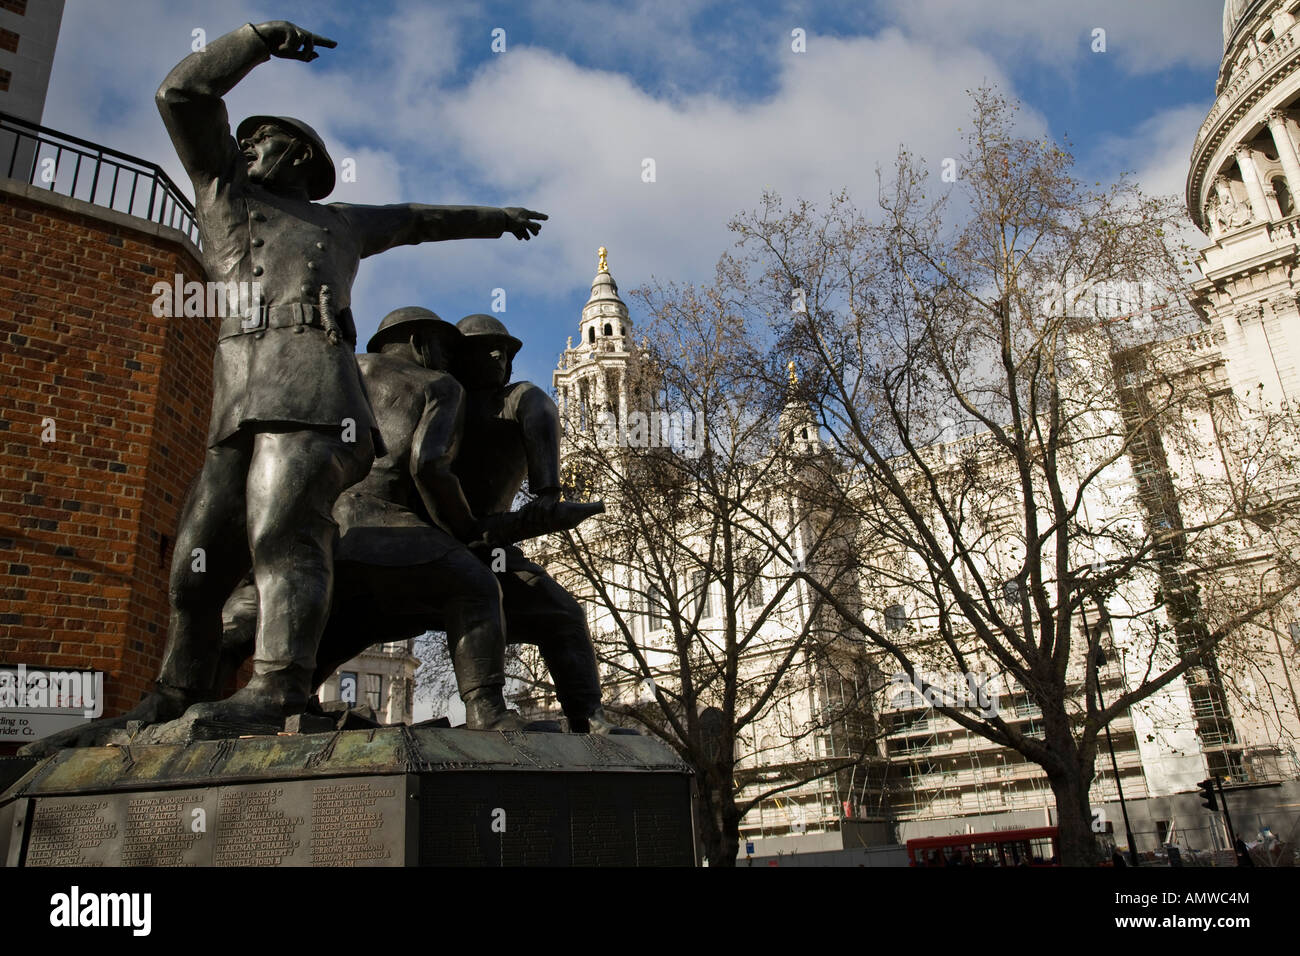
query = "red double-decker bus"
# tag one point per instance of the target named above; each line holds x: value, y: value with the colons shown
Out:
x: 1032, y: 847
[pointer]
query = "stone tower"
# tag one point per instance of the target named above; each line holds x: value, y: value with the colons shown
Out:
x: 591, y: 379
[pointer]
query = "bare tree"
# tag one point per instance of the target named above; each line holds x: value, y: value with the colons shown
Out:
x: 1021, y: 414
x: 706, y: 636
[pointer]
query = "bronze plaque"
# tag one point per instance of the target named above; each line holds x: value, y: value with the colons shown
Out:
x: 357, y: 821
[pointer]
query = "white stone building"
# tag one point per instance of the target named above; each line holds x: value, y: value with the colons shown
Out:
x: 923, y: 773
x: 1238, y: 716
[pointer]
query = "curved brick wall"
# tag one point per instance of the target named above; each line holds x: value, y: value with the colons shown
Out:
x: 86, y: 521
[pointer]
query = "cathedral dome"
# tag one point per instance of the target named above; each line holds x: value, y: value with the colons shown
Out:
x: 1245, y: 166
x: 1235, y: 13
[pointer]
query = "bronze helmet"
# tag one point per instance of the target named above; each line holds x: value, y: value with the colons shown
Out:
x: 486, y: 327
x: 407, y: 318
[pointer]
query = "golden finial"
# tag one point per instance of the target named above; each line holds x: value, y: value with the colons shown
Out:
x: 794, y: 378
x: 603, y: 266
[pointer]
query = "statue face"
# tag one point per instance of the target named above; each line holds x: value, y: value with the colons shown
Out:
x: 275, y: 157
x: 429, y: 349
x: 486, y: 365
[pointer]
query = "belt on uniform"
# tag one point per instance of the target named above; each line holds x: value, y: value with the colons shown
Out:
x: 288, y: 315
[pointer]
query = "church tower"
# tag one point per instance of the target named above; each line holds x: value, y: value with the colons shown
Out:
x: 798, y: 424
x: 591, y: 380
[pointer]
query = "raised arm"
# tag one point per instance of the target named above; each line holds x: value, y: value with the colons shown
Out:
x: 403, y: 224
x: 190, y: 97
x: 539, y: 421
x: 433, y: 446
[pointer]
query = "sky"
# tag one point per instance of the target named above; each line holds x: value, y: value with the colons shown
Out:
x: 563, y: 119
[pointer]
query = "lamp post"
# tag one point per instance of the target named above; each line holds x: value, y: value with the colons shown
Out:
x: 1099, y: 659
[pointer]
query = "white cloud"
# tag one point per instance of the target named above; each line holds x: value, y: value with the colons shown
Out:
x: 1156, y: 153
x: 1143, y: 36
x: 531, y: 127
x: 576, y: 139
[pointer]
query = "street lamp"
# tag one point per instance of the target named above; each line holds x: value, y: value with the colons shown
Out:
x: 1100, y: 660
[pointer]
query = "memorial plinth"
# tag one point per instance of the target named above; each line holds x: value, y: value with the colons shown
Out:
x: 395, y: 796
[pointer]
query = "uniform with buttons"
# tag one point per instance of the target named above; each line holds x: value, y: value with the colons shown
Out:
x: 278, y: 363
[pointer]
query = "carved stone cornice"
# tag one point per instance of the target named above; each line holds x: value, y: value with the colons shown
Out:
x: 1250, y: 312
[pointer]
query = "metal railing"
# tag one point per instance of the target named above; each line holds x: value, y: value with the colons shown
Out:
x: 80, y: 169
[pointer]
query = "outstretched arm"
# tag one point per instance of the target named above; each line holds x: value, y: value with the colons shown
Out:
x: 190, y: 97
x: 403, y: 224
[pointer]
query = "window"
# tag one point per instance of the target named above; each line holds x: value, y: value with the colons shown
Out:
x: 374, y: 684
x: 609, y: 329
x: 591, y: 334
x: 895, y: 617
x: 1011, y: 591
x: 1294, y: 630
x: 700, y: 591
x: 1285, y: 205
x: 654, y: 610
x: 752, y: 575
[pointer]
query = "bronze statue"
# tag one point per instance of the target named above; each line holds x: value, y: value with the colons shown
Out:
x: 401, y: 569
x: 512, y: 431
x: 291, y: 424
x: 401, y: 565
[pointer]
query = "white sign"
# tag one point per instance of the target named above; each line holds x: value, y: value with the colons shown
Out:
x: 36, y: 703
x: 25, y: 726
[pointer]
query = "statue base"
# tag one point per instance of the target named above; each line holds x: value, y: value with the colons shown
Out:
x: 393, y: 796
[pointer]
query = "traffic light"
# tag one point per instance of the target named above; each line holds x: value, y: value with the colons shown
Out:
x: 1207, y: 794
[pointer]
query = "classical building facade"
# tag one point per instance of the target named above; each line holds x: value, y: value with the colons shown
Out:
x: 923, y: 774
x: 1236, y: 715
x: 382, y: 678
x: 1241, y: 192
x: 605, y: 393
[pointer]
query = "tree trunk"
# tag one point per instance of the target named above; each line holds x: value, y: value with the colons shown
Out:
x: 1076, y: 840
x: 719, y: 824
x: 1078, y: 843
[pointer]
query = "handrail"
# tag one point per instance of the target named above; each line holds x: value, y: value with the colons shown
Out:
x: 50, y: 159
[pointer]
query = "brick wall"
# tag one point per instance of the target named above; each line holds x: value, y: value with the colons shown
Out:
x: 86, y: 520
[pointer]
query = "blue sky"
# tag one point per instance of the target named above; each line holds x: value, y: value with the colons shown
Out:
x: 713, y: 92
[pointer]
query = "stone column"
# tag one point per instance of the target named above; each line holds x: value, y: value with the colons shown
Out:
x: 1250, y: 176
x: 1286, y: 151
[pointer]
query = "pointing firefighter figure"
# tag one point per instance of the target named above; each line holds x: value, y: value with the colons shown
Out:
x: 291, y: 424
